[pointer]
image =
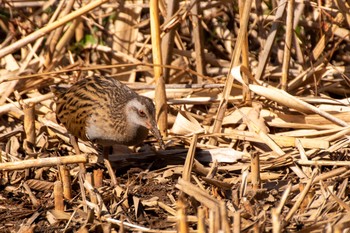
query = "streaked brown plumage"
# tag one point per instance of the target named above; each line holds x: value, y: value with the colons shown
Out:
x: 105, y: 111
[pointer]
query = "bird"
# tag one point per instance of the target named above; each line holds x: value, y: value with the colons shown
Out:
x: 106, y: 112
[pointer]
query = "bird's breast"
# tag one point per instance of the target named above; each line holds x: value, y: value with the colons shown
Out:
x: 109, y: 133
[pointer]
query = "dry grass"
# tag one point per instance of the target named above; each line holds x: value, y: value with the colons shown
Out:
x: 255, y: 116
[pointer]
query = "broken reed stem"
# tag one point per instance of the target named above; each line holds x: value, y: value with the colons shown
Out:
x: 288, y: 44
x: 29, y: 126
x: 44, y: 30
x: 43, y: 162
x: 161, y: 104
x: 66, y: 182
x: 255, y: 171
x: 58, y: 196
x: 98, y: 178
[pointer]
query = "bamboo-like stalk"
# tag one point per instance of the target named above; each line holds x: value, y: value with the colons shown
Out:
x: 161, y: 105
x: 288, y: 44
x: 29, y: 126
x: 44, y: 30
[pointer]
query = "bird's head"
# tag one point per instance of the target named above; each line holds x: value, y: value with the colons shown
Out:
x: 140, y: 111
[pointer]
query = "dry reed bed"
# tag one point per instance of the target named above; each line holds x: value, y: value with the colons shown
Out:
x: 262, y: 149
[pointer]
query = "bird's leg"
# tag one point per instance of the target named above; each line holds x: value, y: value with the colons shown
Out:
x: 106, y: 151
x: 74, y: 142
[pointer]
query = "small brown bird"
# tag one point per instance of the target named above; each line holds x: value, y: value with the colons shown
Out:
x: 106, y: 112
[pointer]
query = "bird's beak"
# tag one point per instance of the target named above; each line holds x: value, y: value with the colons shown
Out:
x: 152, y: 126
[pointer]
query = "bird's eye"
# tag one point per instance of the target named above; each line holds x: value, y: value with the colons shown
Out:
x: 142, y: 113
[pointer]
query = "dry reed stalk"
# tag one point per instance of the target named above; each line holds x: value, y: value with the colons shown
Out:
x: 288, y: 100
x: 237, y: 222
x: 168, y: 39
x: 200, y: 195
x: 160, y: 100
x: 111, y: 173
x: 270, y: 40
x: 301, y: 196
x: 230, y: 78
x: 43, y: 162
x: 57, y: 34
x: 276, y: 221
x: 182, y: 226
x: 197, y: 39
x: 287, y: 45
x: 284, y: 198
x: 29, y: 126
x: 66, y: 182
x: 189, y: 159
x: 74, y: 142
x: 15, y: 106
x: 58, y: 196
x: 225, y: 226
x: 323, y: 163
x: 201, y: 228
x: 44, y: 30
x: 33, y: 199
x: 245, y: 55
x: 81, y: 179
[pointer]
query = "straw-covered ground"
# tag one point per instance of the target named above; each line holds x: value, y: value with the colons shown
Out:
x: 251, y: 100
